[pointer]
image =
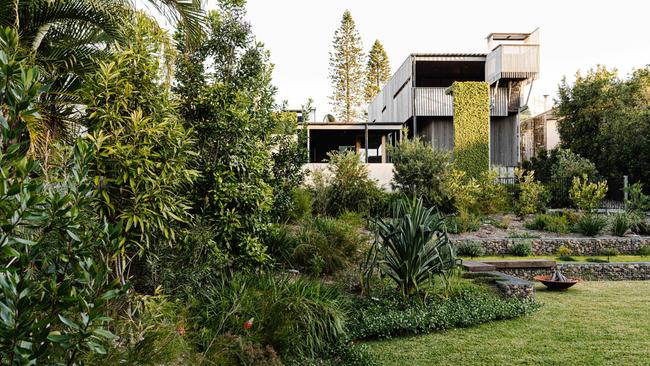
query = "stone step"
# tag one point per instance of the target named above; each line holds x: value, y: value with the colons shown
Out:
x: 523, y: 263
x: 475, y: 266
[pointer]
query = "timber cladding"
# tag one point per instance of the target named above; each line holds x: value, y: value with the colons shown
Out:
x: 471, y: 127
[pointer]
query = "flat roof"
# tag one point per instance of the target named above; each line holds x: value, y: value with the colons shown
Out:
x: 353, y: 125
x: 508, y: 36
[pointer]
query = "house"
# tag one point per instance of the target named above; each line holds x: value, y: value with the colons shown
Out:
x: 418, y: 95
x: 539, y: 133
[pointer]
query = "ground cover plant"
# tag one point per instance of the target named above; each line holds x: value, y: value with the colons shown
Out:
x: 565, y: 318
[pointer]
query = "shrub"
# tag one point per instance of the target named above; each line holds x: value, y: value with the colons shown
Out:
x: 301, y: 207
x: 420, y: 170
x: 295, y: 316
x: 548, y: 222
x: 492, y: 196
x: 522, y: 249
x: 590, y: 224
x: 463, y: 223
x: 587, y: 195
x: 471, y: 127
x: 620, y: 224
x: 476, y: 196
x: 470, y: 249
x: 637, y: 200
x: 644, y: 251
x: 346, y: 188
x: 326, y: 245
x: 610, y: 252
x: 532, y: 197
x: 564, y: 251
x: 596, y: 260
x: 570, y: 165
x: 391, y: 316
x: 413, y: 246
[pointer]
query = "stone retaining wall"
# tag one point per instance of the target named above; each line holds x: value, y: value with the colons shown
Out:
x: 513, y: 287
x: 578, y: 246
x: 590, y: 271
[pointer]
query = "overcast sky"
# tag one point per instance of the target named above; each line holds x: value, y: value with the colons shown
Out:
x: 575, y: 35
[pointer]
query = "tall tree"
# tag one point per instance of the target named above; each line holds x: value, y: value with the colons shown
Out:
x: 377, y: 70
x: 346, y: 71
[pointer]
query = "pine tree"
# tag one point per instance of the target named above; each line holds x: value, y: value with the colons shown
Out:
x: 346, y: 71
x: 377, y: 71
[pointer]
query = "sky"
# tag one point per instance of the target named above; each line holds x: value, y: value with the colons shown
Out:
x: 575, y: 35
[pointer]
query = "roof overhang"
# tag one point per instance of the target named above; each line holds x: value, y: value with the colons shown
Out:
x: 343, y: 126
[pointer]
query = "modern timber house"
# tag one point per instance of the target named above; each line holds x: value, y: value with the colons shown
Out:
x: 419, y: 97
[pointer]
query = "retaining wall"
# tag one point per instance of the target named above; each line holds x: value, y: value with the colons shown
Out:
x: 633, y: 271
x: 578, y: 246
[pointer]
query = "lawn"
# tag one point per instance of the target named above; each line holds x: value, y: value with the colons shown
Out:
x: 578, y: 258
x: 595, y: 323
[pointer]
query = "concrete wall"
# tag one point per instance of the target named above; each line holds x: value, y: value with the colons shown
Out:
x: 381, y: 173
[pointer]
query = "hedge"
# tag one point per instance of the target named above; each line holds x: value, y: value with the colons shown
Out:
x: 471, y: 127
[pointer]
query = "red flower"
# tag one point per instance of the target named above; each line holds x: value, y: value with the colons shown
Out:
x: 248, y: 324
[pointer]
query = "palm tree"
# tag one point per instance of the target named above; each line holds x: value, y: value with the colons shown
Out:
x: 66, y: 38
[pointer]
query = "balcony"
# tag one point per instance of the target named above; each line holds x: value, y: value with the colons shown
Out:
x: 433, y: 102
x: 512, y: 61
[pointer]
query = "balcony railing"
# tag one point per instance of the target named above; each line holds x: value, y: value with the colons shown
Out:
x: 512, y: 61
x: 434, y: 102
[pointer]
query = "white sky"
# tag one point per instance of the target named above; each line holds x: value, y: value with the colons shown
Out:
x: 575, y: 35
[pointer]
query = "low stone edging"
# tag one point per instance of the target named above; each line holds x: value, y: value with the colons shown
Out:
x: 632, y: 271
x: 578, y: 246
x: 513, y: 287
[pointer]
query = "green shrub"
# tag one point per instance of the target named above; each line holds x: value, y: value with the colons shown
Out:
x: 620, y: 224
x: 610, y: 252
x: 596, y: 260
x: 413, y: 246
x: 420, y: 170
x: 637, y: 201
x: 471, y: 127
x: 549, y: 222
x: 391, y: 316
x: 564, y: 251
x: 470, y: 249
x: 587, y: 195
x: 301, y: 205
x: 644, y: 251
x: 532, y: 197
x: 281, y: 242
x: 326, y: 245
x: 476, y: 196
x: 569, y: 165
x: 590, y: 224
x: 344, y: 187
x: 295, y: 316
x: 463, y: 223
x: 521, y: 249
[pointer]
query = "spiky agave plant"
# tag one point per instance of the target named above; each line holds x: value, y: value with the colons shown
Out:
x: 413, y: 245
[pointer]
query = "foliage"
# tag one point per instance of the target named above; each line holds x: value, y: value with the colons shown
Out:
x: 391, y: 316
x: 420, y: 170
x: 564, y: 251
x: 601, y: 109
x: 549, y: 222
x: 301, y: 205
x: 463, y: 222
x: 532, y: 198
x: 295, y: 316
x: 289, y: 154
x: 590, y: 224
x: 475, y: 196
x: 542, y: 164
x: 471, y: 127
x: 610, y: 252
x: 521, y: 249
x: 232, y: 113
x: 345, y: 186
x: 644, y: 251
x: 620, y: 224
x: 377, y: 71
x: 414, y: 246
x: 54, y: 286
x: 570, y: 165
x: 637, y: 201
x: 326, y: 245
x: 470, y: 249
x: 143, y: 152
x: 346, y: 71
x: 587, y: 195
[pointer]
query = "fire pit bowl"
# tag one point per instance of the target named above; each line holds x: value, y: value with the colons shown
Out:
x: 556, y: 285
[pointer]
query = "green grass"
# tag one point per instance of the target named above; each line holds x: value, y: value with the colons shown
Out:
x: 594, y: 323
x: 578, y: 258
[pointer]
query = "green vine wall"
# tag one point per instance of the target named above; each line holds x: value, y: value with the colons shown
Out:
x: 471, y: 127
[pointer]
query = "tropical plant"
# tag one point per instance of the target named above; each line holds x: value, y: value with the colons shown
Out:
x: 532, y: 196
x: 590, y: 224
x: 620, y: 224
x: 346, y: 71
x: 143, y: 151
x: 587, y: 195
x: 413, y: 246
x: 420, y: 170
x: 377, y: 71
